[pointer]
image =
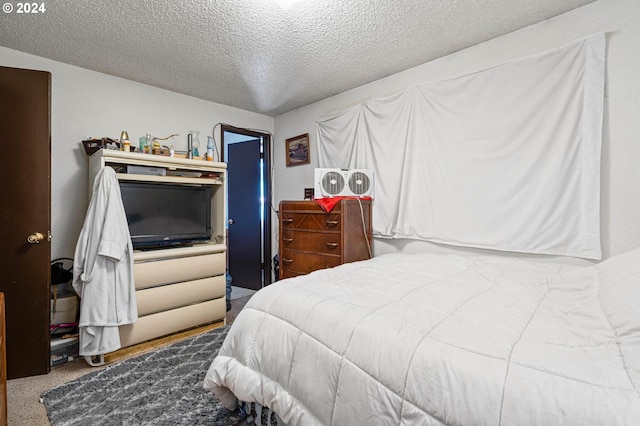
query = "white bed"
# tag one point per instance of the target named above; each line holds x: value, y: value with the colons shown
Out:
x: 426, y: 339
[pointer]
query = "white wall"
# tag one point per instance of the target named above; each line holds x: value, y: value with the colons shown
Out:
x: 87, y: 103
x: 620, y: 208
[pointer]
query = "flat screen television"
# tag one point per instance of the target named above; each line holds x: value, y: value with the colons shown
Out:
x: 162, y: 215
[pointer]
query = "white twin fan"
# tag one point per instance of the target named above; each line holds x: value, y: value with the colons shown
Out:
x: 343, y: 183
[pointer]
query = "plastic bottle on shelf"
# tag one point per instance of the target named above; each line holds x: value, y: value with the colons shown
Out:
x: 210, y: 148
x: 147, y: 147
x: 195, y: 142
x: 142, y: 144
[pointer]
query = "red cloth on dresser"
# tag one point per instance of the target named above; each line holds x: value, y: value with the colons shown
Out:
x: 328, y: 203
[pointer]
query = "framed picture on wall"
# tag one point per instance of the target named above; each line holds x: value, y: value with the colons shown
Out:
x: 298, y: 150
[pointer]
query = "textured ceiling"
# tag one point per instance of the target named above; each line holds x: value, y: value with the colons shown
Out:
x: 257, y: 56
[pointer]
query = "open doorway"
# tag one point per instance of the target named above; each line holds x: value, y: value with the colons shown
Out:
x: 247, y: 154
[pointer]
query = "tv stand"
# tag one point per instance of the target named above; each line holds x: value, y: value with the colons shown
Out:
x: 177, y: 287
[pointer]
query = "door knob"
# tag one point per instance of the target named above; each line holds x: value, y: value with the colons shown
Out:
x: 230, y: 221
x: 35, y: 238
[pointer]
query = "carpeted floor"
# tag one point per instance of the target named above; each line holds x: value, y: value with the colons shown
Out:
x: 23, y: 395
x: 161, y: 387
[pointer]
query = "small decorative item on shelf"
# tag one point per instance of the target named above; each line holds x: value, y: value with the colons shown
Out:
x: 161, y: 149
x: 209, y: 148
x: 157, y: 148
x: 195, y: 142
x: 93, y: 145
x: 125, y: 145
x: 142, y: 143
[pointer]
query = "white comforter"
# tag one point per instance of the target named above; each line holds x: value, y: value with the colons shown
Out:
x: 430, y: 339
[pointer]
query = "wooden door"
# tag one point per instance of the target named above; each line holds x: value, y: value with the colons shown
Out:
x: 25, y: 138
x: 3, y: 367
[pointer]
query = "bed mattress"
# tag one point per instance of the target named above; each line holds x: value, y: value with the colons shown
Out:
x: 422, y: 339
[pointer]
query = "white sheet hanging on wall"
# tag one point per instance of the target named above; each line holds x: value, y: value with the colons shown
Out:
x: 507, y: 158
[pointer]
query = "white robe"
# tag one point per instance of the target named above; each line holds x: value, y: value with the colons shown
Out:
x: 103, y: 269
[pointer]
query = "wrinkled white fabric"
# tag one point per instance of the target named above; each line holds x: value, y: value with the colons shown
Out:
x: 103, y: 269
x: 507, y: 158
x: 423, y: 339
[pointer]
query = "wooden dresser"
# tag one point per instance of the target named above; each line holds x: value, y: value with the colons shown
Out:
x: 312, y: 239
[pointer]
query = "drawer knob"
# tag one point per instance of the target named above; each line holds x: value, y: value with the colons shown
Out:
x: 332, y: 245
x: 332, y: 222
x: 287, y: 240
x: 287, y: 261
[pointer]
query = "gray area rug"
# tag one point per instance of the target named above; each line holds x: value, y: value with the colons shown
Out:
x: 163, y: 387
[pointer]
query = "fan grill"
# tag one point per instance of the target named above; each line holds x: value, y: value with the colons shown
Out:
x: 359, y: 183
x: 332, y: 183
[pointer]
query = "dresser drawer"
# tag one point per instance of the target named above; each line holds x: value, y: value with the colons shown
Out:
x: 158, y: 272
x: 311, y: 221
x: 168, y: 322
x: 171, y: 296
x: 329, y: 243
x: 299, y: 262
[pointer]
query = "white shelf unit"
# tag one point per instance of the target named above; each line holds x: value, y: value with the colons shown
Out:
x: 176, y: 288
